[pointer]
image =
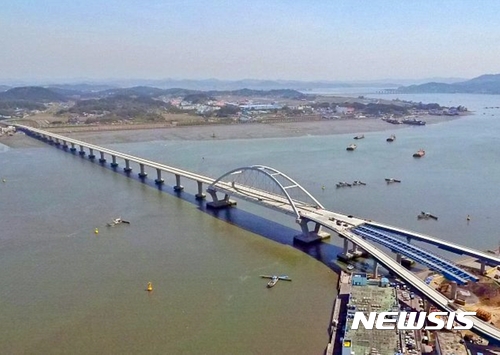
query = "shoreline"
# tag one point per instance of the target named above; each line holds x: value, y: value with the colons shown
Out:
x: 145, y: 133
x: 251, y: 130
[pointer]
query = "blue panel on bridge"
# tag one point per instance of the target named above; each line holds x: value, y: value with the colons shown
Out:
x: 450, y: 248
x: 424, y: 257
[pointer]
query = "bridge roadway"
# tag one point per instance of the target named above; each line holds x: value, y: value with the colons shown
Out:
x: 326, y: 218
x: 441, y: 244
x: 421, y: 256
x: 323, y: 217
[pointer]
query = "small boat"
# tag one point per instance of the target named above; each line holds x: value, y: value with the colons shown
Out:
x: 391, y: 138
x: 425, y: 215
x: 420, y: 153
x: 357, y: 182
x: 360, y: 137
x: 351, y: 147
x: 390, y: 180
x: 117, y: 221
x: 350, y: 267
x: 274, y: 279
x: 414, y: 122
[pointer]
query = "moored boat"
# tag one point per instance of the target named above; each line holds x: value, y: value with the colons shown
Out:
x: 360, y: 137
x: 420, y: 153
x: 414, y: 122
x: 351, y: 147
x: 389, y: 180
x: 273, y: 281
x: 391, y: 138
x: 425, y: 215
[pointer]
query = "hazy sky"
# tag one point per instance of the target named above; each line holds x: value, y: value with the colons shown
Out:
x: 289, y: 39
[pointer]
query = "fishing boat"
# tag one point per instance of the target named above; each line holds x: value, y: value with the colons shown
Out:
x: 360, y: 137
x: 390, y: 180
x: 420, y: 153
x: 425, y: 215
x: 351, y: 147
x: 117, y: 221
x: 274, y: 279
x: 391, y: 138
x: 414, y: 122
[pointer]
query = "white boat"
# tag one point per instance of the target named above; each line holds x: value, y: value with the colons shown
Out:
x: 117, y: 221
x: 274, y: 279
x: 392, y: 180
x: 351, y: 147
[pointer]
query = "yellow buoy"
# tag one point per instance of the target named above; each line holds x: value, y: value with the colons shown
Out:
x: 150, y: 287
x: 96, y: 231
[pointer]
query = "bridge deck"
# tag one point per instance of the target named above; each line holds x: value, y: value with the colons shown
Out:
x: 490, y: 259
x: 424, y: 257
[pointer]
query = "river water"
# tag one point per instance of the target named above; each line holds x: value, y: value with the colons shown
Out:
x: 65, y: 289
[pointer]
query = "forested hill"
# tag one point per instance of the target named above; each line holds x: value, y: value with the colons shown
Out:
x: 484, y: 84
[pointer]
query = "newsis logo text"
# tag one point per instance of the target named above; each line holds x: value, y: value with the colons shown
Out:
x: 415, y: 321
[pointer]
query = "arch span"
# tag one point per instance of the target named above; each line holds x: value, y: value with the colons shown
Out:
x: 259, y: 183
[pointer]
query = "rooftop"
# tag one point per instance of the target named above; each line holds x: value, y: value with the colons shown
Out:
x: 372, y: 299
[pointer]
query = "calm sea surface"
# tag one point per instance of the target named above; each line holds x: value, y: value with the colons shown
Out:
x: 66, y: 290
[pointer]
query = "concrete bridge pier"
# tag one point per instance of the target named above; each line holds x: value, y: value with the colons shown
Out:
x: 72, y: 149
x: 158, y: 180
x: 399, y: 257
x: 82, y: 151
x: 127, y: 167
x: 308, y: 236
x: 483, y: 267
x: 142, y: 174
x: 375, y: 269
x: 57, y: 143
x: 113, y: 164
x: 65, y: 145
x: 91, y: 154
x: 216, y: 203
x: 408, y: 240
x: 102, y: 160
x: 178, y: 186
x: 51, y: 141
x: 200, y: 195
x: 346, y: 246
x: 454, y: 289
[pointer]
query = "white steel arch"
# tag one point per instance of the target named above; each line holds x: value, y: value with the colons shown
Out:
x: 273, y: 175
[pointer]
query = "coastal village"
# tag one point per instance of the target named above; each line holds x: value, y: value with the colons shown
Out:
x: 136, y: 106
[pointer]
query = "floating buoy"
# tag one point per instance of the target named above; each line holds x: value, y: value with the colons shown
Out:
x: 150, y: 287
x: 96, y: 231
x: 322, y: 187
x: 468, y: 218
x: 3, y: 180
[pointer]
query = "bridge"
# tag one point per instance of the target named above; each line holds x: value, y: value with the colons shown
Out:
x: 273, y: 189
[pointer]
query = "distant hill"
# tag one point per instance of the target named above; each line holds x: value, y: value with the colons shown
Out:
x: 484, y: 84
x: 31, y: 94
